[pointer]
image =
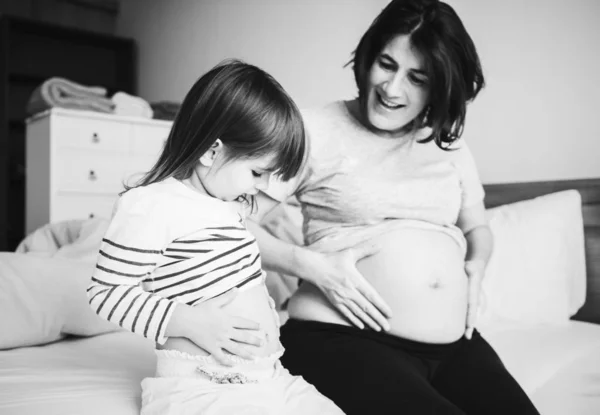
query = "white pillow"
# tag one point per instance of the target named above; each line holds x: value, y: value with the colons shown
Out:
x: 44, y: 299
x: 537, y: 270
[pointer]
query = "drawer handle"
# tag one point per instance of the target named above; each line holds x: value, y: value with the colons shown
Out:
x: 91, y: 216
x: 95, y: 138
x: 92, y: 176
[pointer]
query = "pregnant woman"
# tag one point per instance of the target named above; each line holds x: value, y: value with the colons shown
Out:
x: 396, y: 242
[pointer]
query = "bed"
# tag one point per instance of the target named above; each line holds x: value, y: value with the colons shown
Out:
x: 541, y: 308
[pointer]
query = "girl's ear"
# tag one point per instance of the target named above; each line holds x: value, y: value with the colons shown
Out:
x: 207, y: 159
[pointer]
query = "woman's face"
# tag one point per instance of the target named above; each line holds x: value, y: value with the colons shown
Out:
x: 397, y: 87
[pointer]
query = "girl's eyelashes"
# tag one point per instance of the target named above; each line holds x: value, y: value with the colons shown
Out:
x: 256, y: 174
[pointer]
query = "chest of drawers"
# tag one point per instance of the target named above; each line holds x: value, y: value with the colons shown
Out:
x: 78, y: 161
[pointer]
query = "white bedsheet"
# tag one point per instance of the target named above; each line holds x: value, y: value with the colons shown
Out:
x: 558, y: 366
x: 99, y: 375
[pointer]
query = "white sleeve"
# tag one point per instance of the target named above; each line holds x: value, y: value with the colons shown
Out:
x: 129, y: 253
x: 472, y: 189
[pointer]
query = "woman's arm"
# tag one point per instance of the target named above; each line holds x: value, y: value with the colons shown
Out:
x: 278, y: 255
x: 473, y: 224
x: 335, y: 274
x: 479, y: 245
x: 479, y: 249
x: 283, y: 257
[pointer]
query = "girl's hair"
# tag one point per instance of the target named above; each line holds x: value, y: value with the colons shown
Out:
x: 244, y: 107
x: 450, y: 57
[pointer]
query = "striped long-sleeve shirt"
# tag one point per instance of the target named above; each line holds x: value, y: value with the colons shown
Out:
x: 168, y: 244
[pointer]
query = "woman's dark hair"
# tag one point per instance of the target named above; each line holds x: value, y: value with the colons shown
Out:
x: 450, y: 57
x: 246, y: 109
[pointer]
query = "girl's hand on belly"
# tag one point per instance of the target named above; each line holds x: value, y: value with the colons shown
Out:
x: 475, y: 271
x: 346, y: 288
x: 214, y: 330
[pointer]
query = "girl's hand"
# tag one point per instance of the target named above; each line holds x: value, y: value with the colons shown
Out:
x: 214, y: 330
x: 474, y: 270
x: 346, y: 288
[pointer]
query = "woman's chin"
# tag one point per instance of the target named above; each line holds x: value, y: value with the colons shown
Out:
x: 386, y: 123
x: 386, y: 127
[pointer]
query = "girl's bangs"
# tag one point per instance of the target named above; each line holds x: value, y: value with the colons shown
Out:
x: 284, y: 135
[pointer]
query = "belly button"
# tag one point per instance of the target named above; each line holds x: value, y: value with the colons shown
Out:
x: 435, y: 284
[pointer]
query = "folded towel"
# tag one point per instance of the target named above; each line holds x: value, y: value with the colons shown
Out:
x: 131, y: 105
x: 165, y: 110
x: 60, y: 92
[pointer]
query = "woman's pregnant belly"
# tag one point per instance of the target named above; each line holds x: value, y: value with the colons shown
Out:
x: 419, y: 273
x: 252, y: 304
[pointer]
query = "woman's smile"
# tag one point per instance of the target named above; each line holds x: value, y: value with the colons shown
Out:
x: 388, y: 104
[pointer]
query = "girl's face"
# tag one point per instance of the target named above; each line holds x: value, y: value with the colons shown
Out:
x: 397, y: 87
x: 229, y: 179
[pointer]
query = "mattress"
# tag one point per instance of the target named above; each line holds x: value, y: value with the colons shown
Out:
x: 87, y: 376
x: 557, y: 365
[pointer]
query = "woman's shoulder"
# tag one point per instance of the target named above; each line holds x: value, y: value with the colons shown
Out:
x: 325, y: 119
x: 456, y: 149
x: 323, y: 113
x: 326, y: 125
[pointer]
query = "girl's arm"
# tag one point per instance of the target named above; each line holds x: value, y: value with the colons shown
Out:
x: 152, y: 316
x: 130, y: 251
x: 128, y: 254
x: 335, y: 274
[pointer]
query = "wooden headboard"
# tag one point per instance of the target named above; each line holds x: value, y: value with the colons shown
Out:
x: 499, y: 194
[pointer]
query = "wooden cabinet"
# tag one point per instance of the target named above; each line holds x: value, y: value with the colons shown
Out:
x: 78, y: 162
x: 32, y: 52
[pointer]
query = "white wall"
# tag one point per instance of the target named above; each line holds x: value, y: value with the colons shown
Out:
x: 303, y: 44
x: 534, y: 120
x: 537, y: 117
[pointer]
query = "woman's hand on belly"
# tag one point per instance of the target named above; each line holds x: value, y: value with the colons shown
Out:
x: 420, y: 273
x: 474, y: 271
x: 337, y: 277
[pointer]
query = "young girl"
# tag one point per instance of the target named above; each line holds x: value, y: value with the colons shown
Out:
x: 177, y: 252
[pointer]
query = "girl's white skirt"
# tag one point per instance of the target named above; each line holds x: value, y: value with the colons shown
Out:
x: 187, y: 384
